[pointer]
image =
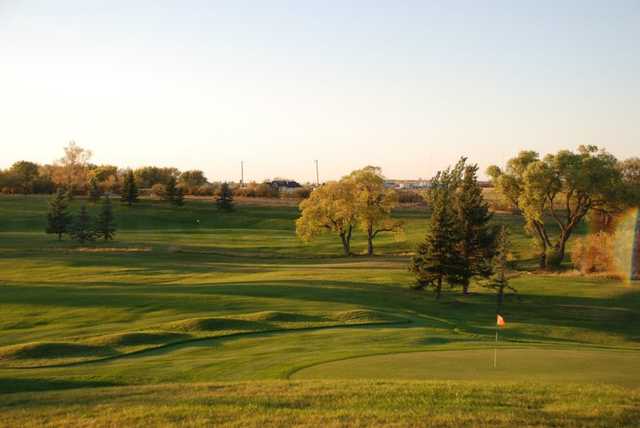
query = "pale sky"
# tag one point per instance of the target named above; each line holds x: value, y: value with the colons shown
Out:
x: 406, y: 85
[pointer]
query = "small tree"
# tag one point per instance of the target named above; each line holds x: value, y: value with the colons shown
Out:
x: 105, y: 224
x: 225, y: 198
x: 178, y: 197
x: 129, y: 189
x: 58, y: 219
x: 438, y: 258
x: 82, y: 228
x: 94, y: 191
x: 173, y: 193
x: 499, y: 280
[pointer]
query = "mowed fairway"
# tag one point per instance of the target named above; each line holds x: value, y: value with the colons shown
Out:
x: 193, y: 316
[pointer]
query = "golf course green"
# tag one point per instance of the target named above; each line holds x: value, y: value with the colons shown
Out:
x: 194, y: 316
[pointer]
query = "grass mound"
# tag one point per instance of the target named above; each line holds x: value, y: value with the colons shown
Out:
x: 215, y: 324
x: 49, y: 350
x: 362, y: 315
x: 282, y: 316
x: 137, y: 338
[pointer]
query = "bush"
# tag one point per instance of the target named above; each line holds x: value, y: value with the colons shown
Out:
x: 410, y: 197
x: 594, y: 253
x: 158, y: 190
x: 207, y: 189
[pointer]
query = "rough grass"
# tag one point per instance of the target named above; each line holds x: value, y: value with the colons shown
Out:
x: 328, y: 404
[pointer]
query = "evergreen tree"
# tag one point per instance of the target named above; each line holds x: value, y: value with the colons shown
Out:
x: 58, y: 219
x: 438, y: 258
x: 473, y: 216
x: 82, y: 227
x: 498, y: 280
x: 94, y: 190
x: 225, y: 197
x: 174, y: 193
x: 178, y: 198
x: 105, y: 224
x: 129, y: 189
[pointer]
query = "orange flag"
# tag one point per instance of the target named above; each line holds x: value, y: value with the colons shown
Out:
x: 500, y: 321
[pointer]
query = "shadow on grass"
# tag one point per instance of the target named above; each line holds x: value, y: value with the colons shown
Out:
x: 8, y: 385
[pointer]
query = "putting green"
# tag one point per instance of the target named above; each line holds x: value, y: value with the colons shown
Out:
x: 535, y: 365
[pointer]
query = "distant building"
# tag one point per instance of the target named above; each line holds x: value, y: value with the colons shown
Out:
x: 407, y: 184
x: 285, y: 185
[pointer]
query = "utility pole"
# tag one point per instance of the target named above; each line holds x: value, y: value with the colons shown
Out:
x: 241, y: 173
x: 317, y: 174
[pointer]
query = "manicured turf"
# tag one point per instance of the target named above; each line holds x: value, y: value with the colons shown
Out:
x: 236, y: 297
x: 520, y: 364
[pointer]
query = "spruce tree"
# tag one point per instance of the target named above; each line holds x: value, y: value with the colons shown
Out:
x: 105, y: 224
x: 438, y: 258
x: 498, y: 280
x: 173, y: 193
x: 225, y: 198
x: 129, y: 189
x: 178, y: 198
x: 94, y: 191
x: 473, y: 216
x: 82, y: 228
x: 58, y: 219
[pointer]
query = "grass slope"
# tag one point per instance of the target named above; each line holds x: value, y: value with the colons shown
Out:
x: 329, y: 404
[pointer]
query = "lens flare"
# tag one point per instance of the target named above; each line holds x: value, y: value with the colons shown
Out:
x: 627, y: 245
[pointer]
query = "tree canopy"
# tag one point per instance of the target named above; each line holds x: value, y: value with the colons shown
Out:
x: 561, y: 189
x: 373, y: 203
x: 330, y: 208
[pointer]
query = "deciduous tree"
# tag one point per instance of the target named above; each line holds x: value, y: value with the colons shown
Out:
x: 329, y: 208
x: 373, y: 203
x: 561, y: 188
x: 72, y: 171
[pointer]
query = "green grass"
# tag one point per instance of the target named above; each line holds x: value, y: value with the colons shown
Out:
x: 236, y: 297
x: 329, y: 404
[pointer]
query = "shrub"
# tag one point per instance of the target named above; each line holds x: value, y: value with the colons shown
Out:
x: 594, y: 253
x: 207, y: 189
x: 158, y: 190
x: 410, y: 197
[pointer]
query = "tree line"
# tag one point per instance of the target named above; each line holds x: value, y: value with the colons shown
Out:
x: 76, y: 174
x: 80, y: 227
x: 554, y: 195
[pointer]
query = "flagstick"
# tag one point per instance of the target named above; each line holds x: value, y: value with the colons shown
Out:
x: 495, y: 349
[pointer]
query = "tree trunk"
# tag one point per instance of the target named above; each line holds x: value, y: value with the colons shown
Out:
x: 345, y: 237
x: 465, y: 287
x: 345, y: 244
x: 543, y: 259
x: 59, y: 236
x: 370, y: 241
x: 438, y: 288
